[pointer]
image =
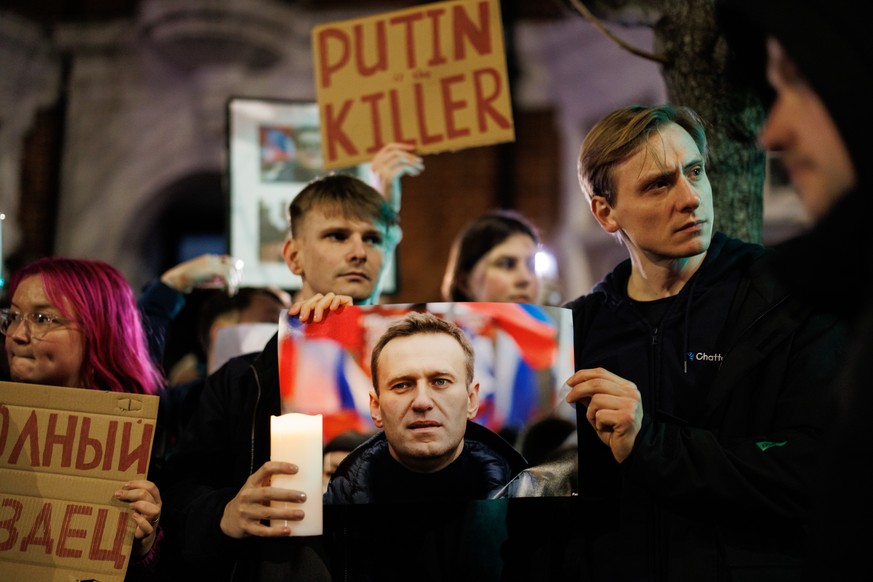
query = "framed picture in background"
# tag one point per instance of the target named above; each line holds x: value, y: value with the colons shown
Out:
x: 274, y: 150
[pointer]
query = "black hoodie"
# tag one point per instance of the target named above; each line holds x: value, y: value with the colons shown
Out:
x: 717, y: 484
x: 829, y: 266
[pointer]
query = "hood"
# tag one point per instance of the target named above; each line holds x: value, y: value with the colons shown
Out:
x: 723, y: 255
x: 841, y: 73
x: 829, y: 265
x: 832, y: 45
x: 724, y: 252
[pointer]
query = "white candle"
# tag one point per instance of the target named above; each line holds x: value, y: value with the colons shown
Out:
x: 297, y: 438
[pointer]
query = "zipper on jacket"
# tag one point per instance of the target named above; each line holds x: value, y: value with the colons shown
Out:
x: 654, y: 390
x: 254, y: 420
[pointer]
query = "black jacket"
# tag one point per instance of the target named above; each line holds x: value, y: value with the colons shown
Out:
x: 829, y: 270
x: 717, y: 486
x: 226, y: 441
x: 829, y: 266
x: 493, y: 460
x: 229, y: 438
x: 455, y: 535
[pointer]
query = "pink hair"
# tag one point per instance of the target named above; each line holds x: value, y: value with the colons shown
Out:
x: 98, y: 297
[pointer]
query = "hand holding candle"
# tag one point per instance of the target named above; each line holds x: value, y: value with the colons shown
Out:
x: 297, y: 438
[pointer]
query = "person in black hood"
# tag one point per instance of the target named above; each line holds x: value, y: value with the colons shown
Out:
x: 819, y: 64
x: 698, y: 374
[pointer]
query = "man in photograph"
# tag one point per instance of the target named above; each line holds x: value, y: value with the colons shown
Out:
x: 423, y: 399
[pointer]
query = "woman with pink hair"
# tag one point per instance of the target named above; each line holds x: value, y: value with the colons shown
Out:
x: 75, y: 323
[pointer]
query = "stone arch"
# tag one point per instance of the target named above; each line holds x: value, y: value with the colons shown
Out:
x: 194, y: 204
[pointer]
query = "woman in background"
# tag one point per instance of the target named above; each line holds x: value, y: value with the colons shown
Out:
x: 492, y: 259
x: 75, y: 323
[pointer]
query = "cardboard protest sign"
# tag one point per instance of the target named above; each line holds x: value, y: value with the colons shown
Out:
x: 433, y: 75
x: 63, y: 453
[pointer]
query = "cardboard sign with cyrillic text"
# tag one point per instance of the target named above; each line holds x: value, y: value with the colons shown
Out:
x: 433, y: 75
x: 63, y: 453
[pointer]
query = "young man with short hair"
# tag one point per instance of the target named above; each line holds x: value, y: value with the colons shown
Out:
x: 342, y: 233
x: 698, y: 373
x: 218, y: 493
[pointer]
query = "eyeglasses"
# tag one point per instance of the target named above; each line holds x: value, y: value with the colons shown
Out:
x: 38, y: 324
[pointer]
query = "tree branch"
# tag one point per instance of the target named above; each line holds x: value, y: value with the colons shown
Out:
x: 577, y: 4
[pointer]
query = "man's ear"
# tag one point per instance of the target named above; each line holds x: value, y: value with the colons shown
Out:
x: 375, y: 409
x: 604, y: 214
x: 473, y: 401
x: 293, y: 255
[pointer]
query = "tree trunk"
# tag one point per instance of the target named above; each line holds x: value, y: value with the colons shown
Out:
x: 694, y: 54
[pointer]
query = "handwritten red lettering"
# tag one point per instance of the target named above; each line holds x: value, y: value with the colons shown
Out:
x: 8, y: 525
x: 484, y: 101
x: 4, y: 429
x: 437, y: 57
x: 40, y: 533
x: 68, y: 532
x: 110, y: 445
x: 451, y: 106
x: 132, y: 452
x: 408, y: 21
x: 381, y: 45
x: 114, y: 553
x: 64, y: 439
x: 29, y: 434
x: 373, y: 100
x: 426, y: 136
x: 396, y: 120
x: 433, y: 77
x: 84, y: 531
x: 86, y: 444
x: 327, y: 67
x: 334, y: 132
x: 334, y: 45
x: 95, y: 444
x: 465, y: 29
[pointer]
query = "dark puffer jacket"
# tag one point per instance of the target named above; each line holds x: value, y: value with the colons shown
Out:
x: 493, y: 457
x: 453, y: 534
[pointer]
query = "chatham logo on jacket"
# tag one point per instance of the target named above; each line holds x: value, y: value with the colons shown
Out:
x: 704, y: 357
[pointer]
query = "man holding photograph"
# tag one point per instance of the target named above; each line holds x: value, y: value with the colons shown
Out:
x: 217, y: 485
x: 700, y: 377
